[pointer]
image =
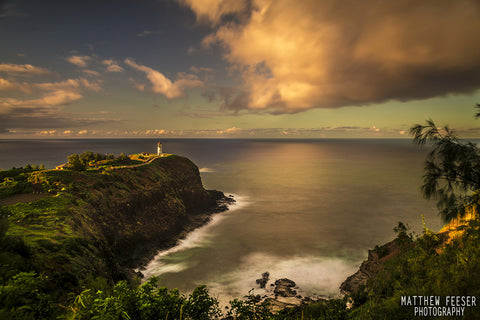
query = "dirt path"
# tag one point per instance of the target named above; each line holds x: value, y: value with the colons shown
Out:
x: 136, y: 165
x: 29, y: 197
x: 23, y: 197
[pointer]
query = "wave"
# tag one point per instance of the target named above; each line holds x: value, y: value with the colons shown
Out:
x: 315, y: 276
x: 196, y: 238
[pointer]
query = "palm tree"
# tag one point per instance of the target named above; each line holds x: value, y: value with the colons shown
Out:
x: 452, y: 169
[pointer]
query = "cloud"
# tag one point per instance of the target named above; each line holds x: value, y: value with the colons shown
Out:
x: 320, y: 132
x: 155, y: 132
x: 163, y: 85
x: 137, y: 85
x: 43, y: 107
x: 230, y: 131
x: 56, y: 127
x: 6, y: 85
x: 23, y: 69
x: 10, y: 85
x: 146, y: 33
x: 47, y: 120
x: 294, y: 56
x: 91, y: 72
x: 218, y: 11
x: 112, y: 66
x: 79, y: 61
x: 53, y: 95
x: 71, y: 85
x: 44, y: 104
x: 108, y: 62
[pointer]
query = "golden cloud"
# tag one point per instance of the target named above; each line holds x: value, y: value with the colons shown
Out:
x: 79, y: 61
x: 42, y: 104
x: 297, y: 55
x: 23, y: 69
x: 163, y: 85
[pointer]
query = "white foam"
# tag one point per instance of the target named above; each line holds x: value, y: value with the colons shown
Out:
x: 315, y: 276
x: 206, y: 170
x: 196, y: 238
x: 158, y: 267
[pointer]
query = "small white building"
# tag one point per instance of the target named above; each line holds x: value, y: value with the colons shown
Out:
x: 159, y: 149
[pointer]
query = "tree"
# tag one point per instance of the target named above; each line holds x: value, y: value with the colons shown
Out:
x: 75, y: 163
x: 122, y: 157
x: 452, y: 169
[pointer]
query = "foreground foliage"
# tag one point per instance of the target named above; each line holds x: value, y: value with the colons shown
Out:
x: 452, y: 169
x: 432, y: 265
x: 54, y: 265
x: 150, y: 302
x: 144, y: 302
x: 16, y: 180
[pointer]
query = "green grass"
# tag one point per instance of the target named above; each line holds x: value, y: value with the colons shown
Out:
x: 77, y: 237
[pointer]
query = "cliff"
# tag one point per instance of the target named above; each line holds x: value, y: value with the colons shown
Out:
x: 102, y: 223
x: 137, y: 211
x: 370, y: 268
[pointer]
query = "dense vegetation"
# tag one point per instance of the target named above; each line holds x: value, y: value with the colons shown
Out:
x: 16, y: 180
x: 432, y: 265
x: 452, y: 169
x: 151, y: 302
x: 87, y: 228
x: 91, y: 160
x: 54, y: 264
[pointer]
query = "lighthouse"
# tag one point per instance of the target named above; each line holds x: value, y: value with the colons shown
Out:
x: 159, y: 149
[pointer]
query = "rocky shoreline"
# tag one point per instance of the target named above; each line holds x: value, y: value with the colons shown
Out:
x: 194, y: 221
x: 282, y: 293
x: 370, y: 267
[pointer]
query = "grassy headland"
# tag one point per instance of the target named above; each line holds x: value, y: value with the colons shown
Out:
x: 70, y: 253
x: 92, y: 227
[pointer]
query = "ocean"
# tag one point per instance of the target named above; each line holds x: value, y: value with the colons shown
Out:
x: 307, y: 210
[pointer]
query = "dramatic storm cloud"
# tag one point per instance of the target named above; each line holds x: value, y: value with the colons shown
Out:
x: 297, y: 55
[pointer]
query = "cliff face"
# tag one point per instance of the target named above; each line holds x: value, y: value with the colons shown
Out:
x: 370, y: 267
x: 137, y: 211
x: 106, y: 222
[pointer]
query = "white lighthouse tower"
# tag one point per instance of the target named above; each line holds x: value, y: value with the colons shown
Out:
x: 159, y: 149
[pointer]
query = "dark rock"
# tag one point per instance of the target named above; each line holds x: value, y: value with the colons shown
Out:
x: 307, y: 300
x: 369, y: 268
x: 257, y: 298
x: 264, y: 279
x: 275, y: 306
x: 285, y: 282
x: 283, y: 287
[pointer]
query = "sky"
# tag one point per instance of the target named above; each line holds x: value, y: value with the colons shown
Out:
x: 237, y: 68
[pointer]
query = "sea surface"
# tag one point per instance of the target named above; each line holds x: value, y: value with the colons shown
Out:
x: 307, y: 210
